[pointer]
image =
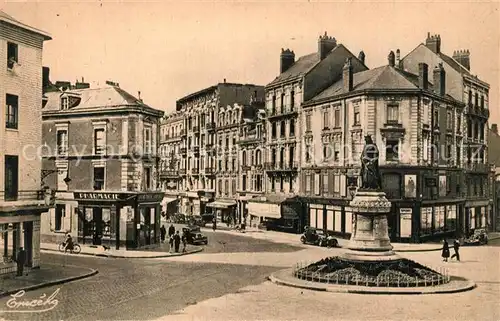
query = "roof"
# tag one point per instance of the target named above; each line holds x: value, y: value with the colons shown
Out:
x: 10, y: 20
x: 381, y: 78
x: 299, y: 68
x: 454, y: 64
x: 94, y: 98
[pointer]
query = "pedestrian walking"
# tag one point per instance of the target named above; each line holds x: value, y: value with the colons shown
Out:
x: 163, y: 233
x: 456, y: 247
x: 214, y: 224
x: 177, y: 241
x: 171, y: 230
x: 171, y: 244
x: 184, y: 242
x: 20, y: 260
x: 445, y: 253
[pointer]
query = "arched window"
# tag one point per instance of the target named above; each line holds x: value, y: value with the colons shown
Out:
x: 244, y: 158
x: 258, y: 156
x: 228, y: 118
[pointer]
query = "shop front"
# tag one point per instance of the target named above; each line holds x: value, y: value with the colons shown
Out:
x: 169, y: 205
x: 276, y: 212
x: 476, y: 215
x: 329, y: 215
x: 223, y: 210
x: 119, y: 219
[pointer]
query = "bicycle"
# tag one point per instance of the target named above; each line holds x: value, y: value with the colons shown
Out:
x: 76, y: 248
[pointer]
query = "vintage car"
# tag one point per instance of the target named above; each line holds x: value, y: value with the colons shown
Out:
x: 479, y: 237
x: 197, y: 220
x: 315, y: 237
x: 194, y: 235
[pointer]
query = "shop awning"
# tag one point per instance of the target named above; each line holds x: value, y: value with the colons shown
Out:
x: 166, y: 200
x: 264, y: 209
x: 221, y: 204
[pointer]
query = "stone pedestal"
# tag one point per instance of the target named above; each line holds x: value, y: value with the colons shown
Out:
x: 370, y: 238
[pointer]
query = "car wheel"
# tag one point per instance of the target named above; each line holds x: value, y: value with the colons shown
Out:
x: 335, y: 243
x: 303, y: 240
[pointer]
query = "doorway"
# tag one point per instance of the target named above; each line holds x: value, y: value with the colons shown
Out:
x: 97, y: 226
x: 28, y: 242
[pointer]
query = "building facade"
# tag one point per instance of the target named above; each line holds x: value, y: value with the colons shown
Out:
x: 170, y: 144
x: 298, y: 82
x: 209, y: 166
x: 100, y: 154
x: 462, y: 85
x: 21, y: 199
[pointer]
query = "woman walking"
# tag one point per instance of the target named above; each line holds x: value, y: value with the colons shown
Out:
x: 445, y: 253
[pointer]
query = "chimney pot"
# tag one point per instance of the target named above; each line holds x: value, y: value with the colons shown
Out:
x: 287, y: 59
x: 391, y: 58
x: 224, y: 80
x: 433, y: 43
x: 347, y: 76
x: 325, y: 45
x: 398, y: 58
x: 439, y: 80
x: 361, y: 56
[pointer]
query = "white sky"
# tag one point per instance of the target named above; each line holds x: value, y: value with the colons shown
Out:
x: 168, y: 50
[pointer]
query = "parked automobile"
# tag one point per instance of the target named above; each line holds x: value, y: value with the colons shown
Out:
x: 479, y: 237
x: 197, y: 220
x: 315, y: 237
x: 194, y: 235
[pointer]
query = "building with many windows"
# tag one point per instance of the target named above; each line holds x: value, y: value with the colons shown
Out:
x: 100, y: 154
x: 21, y: 201
x: 209, y: 166
x: 170, y: 144
x: 299, y: 81
x: 472, y: 145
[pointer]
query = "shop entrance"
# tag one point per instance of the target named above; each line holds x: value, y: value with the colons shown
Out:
x: 96, y: 226
x: 28, y: 242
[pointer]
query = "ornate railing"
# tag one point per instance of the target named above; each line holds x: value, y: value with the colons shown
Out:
x: 27, y: 195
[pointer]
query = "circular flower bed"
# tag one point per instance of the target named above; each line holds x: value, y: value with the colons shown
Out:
x: 396, y: 273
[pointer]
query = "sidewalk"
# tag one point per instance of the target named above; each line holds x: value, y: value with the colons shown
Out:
x: 46, y: 275
x: 294, y: 239
x: 111, y: 253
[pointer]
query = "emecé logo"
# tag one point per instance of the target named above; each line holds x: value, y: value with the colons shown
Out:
x: 18, y: 304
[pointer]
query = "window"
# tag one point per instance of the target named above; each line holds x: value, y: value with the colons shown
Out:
x: 391, y: 150
x: 392, y: 114
x: 99, y: 183
x: 308, y: 183
x: 308, y: 122
x: 234, y: 140
x: 482, y: 101
x: 436, y: 118
x: 425, y: 150
x: 226, y: 187
x: 292, y: 100
x: 357, y: 119
x: 147, y: 141
x: 12, y: 54
x: 325, y: 183
x: 326, y: 152
x: 308, y: 154
x: 273, y: 183
x: 64, y: 103
x: 147, y: 178
x: 326, y: 115
x: 273, y: 130
x: 62, y: 142
x: 233, y: 187
x: 233, y: 166
x: 476, y: 99
x: 59, y: 217
x: 292, y: 127
x: 244, y: 183
x: 282, y: 128
x: 273, y: 105
x: 291, y: 152
x: 449, y: 120
x: 282, y: 184
x: 336, y: 152
x: 11, y: 177
x: 282, y: 157
x: 11, y: 111
x: 282, y: 102
x: 244, y: 158
x: 99, y: 141
x: 336, y: 114
x: 391, y: 185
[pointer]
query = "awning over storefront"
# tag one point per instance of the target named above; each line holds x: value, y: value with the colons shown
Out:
x: 264, y: 209
x: 167, y: 200
x: 221, y: 204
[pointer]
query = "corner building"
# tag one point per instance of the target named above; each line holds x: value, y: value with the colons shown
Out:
x: 209, y: 165
x: 101, y: 156
x: 299, y: 81
x: 21, y: 198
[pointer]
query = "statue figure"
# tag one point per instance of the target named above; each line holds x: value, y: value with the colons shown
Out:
x: 370, y: 173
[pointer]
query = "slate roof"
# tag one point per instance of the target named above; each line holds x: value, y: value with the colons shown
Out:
x: 94, y: 98
x: 11, y: 20
x: 454, y: 64
x: 385, y: 77
x: 299, y: 68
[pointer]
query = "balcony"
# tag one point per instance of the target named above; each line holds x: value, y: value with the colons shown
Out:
x: 196, y: 129
x: 246, y: 167
x: 209, y: 171
x: 249, y: 140
x: 196, y: 149
x: 234, y: 149
x: 286, y: 112
x: 182, y: 171
x: 210, y: 126
x: 183, y: 133
x: 183, y: 150
x: 169, y: 173
x: 281, y: 167
x: 195, y: 171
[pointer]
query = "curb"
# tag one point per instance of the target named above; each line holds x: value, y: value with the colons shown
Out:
x: 419, y: 250
x: 470, y: 285
x: 50, y: 283
x: 131, y: 257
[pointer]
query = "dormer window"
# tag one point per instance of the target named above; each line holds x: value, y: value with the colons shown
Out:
x: 64, y: 103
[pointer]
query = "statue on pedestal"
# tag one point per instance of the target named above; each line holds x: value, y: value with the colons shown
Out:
x: 370, y: 172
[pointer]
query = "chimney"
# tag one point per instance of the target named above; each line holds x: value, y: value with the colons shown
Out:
x: 361, y: 56
x: 494, y: 128
x: 287, y: 59
x: 224, y: 80
x: 433, y: 43
x: 45, y: 77
x: 139, y: 96
x: 423, y: 76
x: 398, y: 59
x: 463, y: 58
x: 391, y: 58
x: 347, y: 76
x: 439, y: 80
x: 325, y: 45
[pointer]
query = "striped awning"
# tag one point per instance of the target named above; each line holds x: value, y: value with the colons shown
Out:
x: 221, y: 204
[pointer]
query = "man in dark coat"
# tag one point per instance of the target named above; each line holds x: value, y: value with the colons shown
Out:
x: 20, y: 260
x: 445, y: 253
x: 163, y: 232
x: 214, y: 224
x: 171, y: 230
x: 456, y: 247
x: 177, y: 241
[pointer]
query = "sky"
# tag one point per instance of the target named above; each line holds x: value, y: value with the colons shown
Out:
x: 168, y: 50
